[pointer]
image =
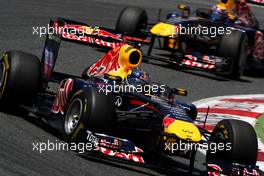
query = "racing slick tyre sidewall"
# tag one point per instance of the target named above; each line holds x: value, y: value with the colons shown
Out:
x: 96, y: 114
x: 234, y: 47
x: 242, y: 139
x: 131, y: 20
x: 20, y: 77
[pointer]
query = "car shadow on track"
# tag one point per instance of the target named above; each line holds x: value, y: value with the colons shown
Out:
x: 24, y: 114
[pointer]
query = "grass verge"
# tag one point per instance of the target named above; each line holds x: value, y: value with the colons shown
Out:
x: 259, y: 127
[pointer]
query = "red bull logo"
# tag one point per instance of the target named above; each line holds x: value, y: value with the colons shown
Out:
x: 107, y: 63
x: 62, y: 96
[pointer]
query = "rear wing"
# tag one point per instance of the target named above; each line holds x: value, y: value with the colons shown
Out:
x: 72, y: 31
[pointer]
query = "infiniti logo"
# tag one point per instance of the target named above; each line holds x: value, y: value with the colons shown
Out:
x: 118, y: 101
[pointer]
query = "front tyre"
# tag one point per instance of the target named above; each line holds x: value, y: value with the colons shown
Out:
x: 88, y: 109
x: 233, y: 47
x: 242, y: 139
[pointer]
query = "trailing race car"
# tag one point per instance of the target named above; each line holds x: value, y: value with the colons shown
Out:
x: 207, y: 40
x: 238, y: 14
x: 91, y: 110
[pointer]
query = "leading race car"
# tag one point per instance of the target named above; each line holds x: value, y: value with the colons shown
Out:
x: 115, y: 107
x: 207, y: 39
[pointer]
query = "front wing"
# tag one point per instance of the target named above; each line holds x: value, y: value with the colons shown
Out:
x: 110, y: 148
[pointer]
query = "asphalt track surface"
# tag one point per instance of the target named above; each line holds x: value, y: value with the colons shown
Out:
x: 17, y: 132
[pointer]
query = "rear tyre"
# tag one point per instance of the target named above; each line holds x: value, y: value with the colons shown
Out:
x: 91, y: 110
x: 242, y: 139
x: 19, y: 77
x: 131, y: 21
x: 233, y: 47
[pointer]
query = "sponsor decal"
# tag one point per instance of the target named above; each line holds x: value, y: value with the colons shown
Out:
x: 207, y: 59
x: 48, y: 61
x: 96, y: 31
x: 197, y: 64
x: 89, y: 39
x: 191, y: 57
x: 118, y: 101
x: 132, y: 157
x: 92, y: 138
x: 89, y: 35
x: 258, y: 50
x: 62, y: 96
x: 115, y: 147
x: 107, y: 144
x: 216, y: 170
x: 252, y: 173
x: 107, y: 63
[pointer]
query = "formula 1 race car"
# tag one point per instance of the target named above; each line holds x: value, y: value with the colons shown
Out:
x: 243, y: 19
x: 206, y: 40
x: 114, y: 103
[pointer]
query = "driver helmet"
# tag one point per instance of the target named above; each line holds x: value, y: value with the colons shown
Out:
x: 138, y: 76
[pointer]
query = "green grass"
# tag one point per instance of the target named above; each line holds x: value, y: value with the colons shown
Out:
x: 259, y: 127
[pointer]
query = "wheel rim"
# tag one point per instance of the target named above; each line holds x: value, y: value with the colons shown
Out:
x: 73, y: 116
x: 219, y: 136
